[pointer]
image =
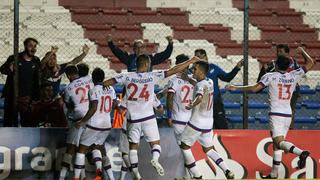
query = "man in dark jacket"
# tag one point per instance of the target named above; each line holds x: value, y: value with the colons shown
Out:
x: 138, y: 48
x: 28, y: 85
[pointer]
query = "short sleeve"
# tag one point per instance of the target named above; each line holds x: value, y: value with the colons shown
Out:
x: 172, y: 85
x: 93, y: 94
x: 121, y: 78
x: 159, y: 75
x: 156, y: 102
x: 200, y: 88
x: 67, y: 96
x: 265, y: 80
x: 299, y: 73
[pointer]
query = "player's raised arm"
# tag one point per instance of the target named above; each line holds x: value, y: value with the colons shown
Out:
x: 250, y: 88
x: 181, y: 66
x: 309, y: 60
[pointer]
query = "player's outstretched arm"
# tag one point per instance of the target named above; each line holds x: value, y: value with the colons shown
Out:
x: 182, y: 66
x: 250, y: 88
x: 85, y: 51
x: 48, y: 55
x: 195, y: 102
x: 309, y: 60
x: 109, y: 82
x: 93, y: 106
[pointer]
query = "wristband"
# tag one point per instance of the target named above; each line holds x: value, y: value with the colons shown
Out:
x: 169, y: 114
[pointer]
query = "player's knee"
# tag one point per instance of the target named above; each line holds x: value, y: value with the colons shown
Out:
x: 184, y: 146
x: 206, y: 149
x: 133, y: 145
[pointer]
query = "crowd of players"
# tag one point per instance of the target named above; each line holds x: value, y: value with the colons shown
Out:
x: 89, y: 99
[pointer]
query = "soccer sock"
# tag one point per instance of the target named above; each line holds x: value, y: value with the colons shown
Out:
x: 277, y: 156
x: 190, y: 162
x: 83, y: 173
x: 288, y: 146
x: 156, y: 150
x: 125, y: 159
x: 133, y: 156
x: 79, y: 164
x: 97, y: 157
x: 124, y: 171
x: 217, y: 159
x: 107, y: 167
x: 66, y: 163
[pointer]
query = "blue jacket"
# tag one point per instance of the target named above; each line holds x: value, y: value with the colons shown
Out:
x: 130, y: 60
x: 216, y: 73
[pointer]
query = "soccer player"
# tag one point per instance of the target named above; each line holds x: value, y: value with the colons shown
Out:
x: 281, y: 86
x: 199, y: 127
x: 97, y: 123
x: 124, y: 143
x: 141, y: 119
x: 179, y: 95
x: 76, y: 100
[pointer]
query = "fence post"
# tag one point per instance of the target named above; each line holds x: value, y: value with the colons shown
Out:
x: 16, y: 53
x: 246, y: 59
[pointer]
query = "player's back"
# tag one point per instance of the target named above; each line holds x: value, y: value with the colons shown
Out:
x: 104, y: 96
x: 281, y: 87
x: 183, y: 92
x: 140, y: 93
x: 202, y: 114
x: 76, y: 93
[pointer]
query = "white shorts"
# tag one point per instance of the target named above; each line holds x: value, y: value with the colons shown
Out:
x: 148, y: 128
x: 279, y: 125
x: 92, y: 135
x: 124, y: 143
x: 178, y: 129
x: 74, y: 135
x: 189, y: 136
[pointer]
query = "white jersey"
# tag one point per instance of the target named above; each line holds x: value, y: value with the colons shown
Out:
x: 281, y: 87
x: 156, y: 104
x: 76, y: 94
x: 104, y: 96
x: 87, y: 78
x: 183, y: 92
x: 140, y: 93
x: 202, y: 114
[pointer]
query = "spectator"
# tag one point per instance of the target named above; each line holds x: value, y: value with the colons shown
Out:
x: 216, y: 73
x: 28, y: 85
x: 52, y: 72
x: 48, y: 112
x: 283, y: 49
x: 138, y: 49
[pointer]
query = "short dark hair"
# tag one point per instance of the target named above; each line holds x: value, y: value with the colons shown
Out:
x: 282, y: 62
x: 284, y: 46
x: 181, y: 58
x: 142, y: 59
x: 203, y: 65
x: 71, y: 70
x: 83, y: 69
x: 201, y: 51
x: 29, y: 39
x: 45, y: 84
x: 97, y: 75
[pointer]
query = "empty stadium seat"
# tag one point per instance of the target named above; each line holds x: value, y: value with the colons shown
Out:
x: 311, y: 104
x: 237, y: 118
x: 305, y: 119
x: 257, y: 105
x: 231, y: 105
